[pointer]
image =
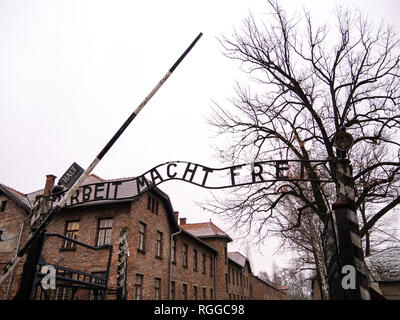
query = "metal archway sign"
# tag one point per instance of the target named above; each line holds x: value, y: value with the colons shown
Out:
x: 200, y: 175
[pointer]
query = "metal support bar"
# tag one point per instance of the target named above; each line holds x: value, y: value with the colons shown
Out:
x: 86, y: 173
x: 348, y: 232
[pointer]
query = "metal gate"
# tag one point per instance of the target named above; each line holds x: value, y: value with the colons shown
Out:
x: 61, y: 276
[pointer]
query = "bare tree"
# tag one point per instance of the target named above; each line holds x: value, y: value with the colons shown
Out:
x: 263, y: 275
x: 303, y: 241
x: 297, y: 282
x: 308, y: 82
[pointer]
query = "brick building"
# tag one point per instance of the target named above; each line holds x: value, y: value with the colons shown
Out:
x: 168, y: 257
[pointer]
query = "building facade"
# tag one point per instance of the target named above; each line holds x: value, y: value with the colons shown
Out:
x: 167, y: 258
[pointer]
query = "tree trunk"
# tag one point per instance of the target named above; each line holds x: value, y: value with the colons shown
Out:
x: 322, y: 276
x: 367, y: 240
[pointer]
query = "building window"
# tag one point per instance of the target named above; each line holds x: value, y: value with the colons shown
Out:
x: 104, y: 232
x: 138, y: 295
x: 95, y: 294
x: 184, y: 294
x: 195, y: 297
x: 174, y: 251
x: 156, y: 208
x: 226, y: 255
x: 204, y: 263
x: 142, y: 237
x: 172, y: 290
x: 152, y: 204
x: 71, y: 231
x: 226, y: 282
x: 229, y: 274
x: 185, y: 256
x: 194, y: 260
x: 157, y: 289
x: 204, y: 293
x: 211, y: 266
x: 3, y: 206
x: 63, y: 290
x: 211, y: 294
x: 159, y: 246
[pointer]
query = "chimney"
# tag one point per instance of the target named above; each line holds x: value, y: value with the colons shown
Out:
x: 182, y: 221
x: 50, y: 179
x: 176, y: 215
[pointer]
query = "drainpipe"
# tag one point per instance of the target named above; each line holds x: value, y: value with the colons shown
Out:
x: 170, y: 262
x: 215, y: 277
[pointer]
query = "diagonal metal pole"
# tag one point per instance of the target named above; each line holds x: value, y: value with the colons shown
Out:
x: 10, y: 266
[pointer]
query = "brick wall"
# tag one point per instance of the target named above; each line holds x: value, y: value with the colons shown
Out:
x: 220, y: 244
x: 238, y: 282
x: 153, y: 270
x: 202, y: 277
x: 12, y: 223
x: 145, y: 262
x: 260, y: 290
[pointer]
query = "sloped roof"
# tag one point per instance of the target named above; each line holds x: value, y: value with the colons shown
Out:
x: 125, y: 191
x: 20, y: 198
x: 238, y: 258
x: 385, y: 265
x: 199, y: 240
x: 27, y: 200
x: 205, y: 230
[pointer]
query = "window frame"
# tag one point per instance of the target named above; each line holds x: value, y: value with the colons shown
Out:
x: 92, y: 295
x: 153, y: 204
x: 106, y: 230
x: 185, y: 255
x: 195, y: 258
x: 62, y: 291
x: 211, y: 266
x: 3, y: 205
x: 184, y: 291
x: 172, y: 290
x: 173, y: 251
x: 141, y: 245
x: 195, y: 292
x: 138, y: 287
x: 157, y: 289
x: 159, y: 245
x: 69, y: 245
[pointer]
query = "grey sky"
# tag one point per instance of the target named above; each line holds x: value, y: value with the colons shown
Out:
x: 72, y: 71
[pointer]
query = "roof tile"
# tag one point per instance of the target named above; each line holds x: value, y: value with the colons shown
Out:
x: 204, y: 229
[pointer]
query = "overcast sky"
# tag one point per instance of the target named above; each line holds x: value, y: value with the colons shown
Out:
x: 71, y: 72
